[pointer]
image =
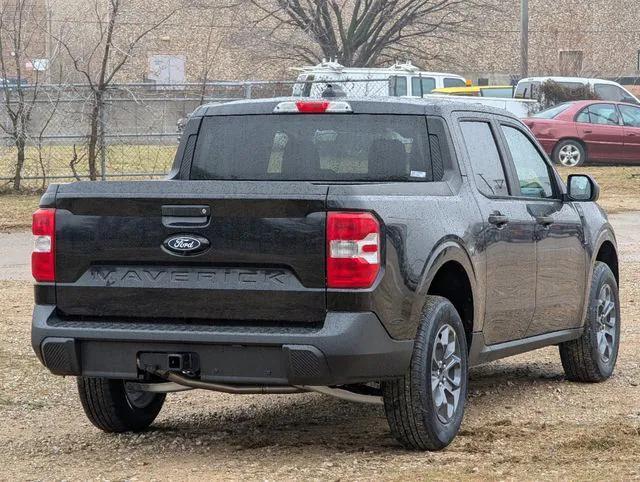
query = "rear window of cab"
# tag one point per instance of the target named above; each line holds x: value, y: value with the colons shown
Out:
x: 307, y: 147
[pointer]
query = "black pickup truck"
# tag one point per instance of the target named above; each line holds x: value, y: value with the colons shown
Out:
x: 368, y: 249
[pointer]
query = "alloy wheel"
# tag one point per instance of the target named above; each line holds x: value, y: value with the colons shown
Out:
x: 446, y: 373
x: 607, y: 318
x: 569, y: 155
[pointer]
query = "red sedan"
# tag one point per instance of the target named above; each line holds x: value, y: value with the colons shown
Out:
x: 576, y: 132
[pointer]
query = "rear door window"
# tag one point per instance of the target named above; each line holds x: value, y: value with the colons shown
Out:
x: 325, y: 147
x: 397, y: 86
x: 603, y: 114
x: 422, y: 86
x: 485, y: 158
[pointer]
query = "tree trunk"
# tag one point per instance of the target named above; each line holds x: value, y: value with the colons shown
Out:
x: 20, y: 146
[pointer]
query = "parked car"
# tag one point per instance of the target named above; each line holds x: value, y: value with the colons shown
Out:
x: 595, y: 131
x: 371, y: 250
x: 399, y: 80
x: 603, y: 89
x: 491, y: 91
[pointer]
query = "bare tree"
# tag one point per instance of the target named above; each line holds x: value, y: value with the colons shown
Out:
x: 99, y: 57
x: 215, y: 39
x: 17, y: 38
x: 360, y: 33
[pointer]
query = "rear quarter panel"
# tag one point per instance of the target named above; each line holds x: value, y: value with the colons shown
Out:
x: 424, y: 226
x: 550, y: 132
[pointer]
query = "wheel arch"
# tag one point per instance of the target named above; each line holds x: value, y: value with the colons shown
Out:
x: 449, y: 272
x: 608, y: 254
x: 606, y: 251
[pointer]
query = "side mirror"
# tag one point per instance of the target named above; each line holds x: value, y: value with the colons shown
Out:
x: 582, y: 188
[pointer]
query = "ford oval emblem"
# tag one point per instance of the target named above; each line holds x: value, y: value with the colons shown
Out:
x: 185, y: 244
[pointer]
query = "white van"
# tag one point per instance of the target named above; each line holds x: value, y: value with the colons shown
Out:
x: 604, y: 89
x: 399, y: 80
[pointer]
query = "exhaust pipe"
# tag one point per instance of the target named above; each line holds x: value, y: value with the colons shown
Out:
x: 177, y: 383
x: 232, y: 389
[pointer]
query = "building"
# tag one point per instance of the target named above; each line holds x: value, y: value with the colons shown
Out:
x: 207, y: 39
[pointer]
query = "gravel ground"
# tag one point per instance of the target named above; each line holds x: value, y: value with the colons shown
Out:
x: 524, y: 421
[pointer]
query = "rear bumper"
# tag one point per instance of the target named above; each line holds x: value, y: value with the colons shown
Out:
x: 347, y: 348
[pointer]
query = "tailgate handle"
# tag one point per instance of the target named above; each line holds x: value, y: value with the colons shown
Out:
x: 176, y: 216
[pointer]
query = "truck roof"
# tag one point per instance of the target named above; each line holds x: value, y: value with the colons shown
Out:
x: 360, y: 105
x: 333, y: 67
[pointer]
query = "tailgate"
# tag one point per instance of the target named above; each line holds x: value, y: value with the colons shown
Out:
x: 192, y: 250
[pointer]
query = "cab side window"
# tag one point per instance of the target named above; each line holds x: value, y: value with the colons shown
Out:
x: 485, y: 158
x: 532, y: 171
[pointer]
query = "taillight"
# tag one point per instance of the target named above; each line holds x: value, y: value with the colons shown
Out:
x: 353, y: 249
x: 43, y: 258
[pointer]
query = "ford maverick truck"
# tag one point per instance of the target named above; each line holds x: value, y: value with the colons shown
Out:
x: 367, y: 249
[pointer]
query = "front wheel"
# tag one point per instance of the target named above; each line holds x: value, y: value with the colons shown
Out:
x: 425, y: 407
x: 592, y: 357
x: 569, y: 153
x: 112, y: 406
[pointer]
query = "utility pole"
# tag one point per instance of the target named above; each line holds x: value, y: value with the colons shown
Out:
x: 524, y: 38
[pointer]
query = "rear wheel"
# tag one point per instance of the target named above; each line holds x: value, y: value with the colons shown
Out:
x: 569, y: 153
x: 592, y: 357
x: 112, y: 406
x: 425, y: 408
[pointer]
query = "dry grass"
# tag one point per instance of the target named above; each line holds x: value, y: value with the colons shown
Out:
x: 619, y: 186
x: 16, y: 211
x: 121, y: 159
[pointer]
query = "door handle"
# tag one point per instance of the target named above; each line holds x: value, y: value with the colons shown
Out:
x: 546, y: 221
x: 588, y: 131
x: 498, y: 219
x: 185, y: 216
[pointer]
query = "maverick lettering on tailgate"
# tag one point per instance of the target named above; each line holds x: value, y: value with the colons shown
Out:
x: 214, y: 278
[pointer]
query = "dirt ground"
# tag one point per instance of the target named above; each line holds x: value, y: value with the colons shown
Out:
x: 524, y: 421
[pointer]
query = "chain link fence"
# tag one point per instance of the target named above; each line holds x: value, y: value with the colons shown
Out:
x: 139, y: 130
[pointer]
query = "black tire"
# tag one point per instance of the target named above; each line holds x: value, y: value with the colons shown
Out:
x: 111, y: 408
x: 409, y: 402
x: 566, y: 147
x: 583, y: 359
